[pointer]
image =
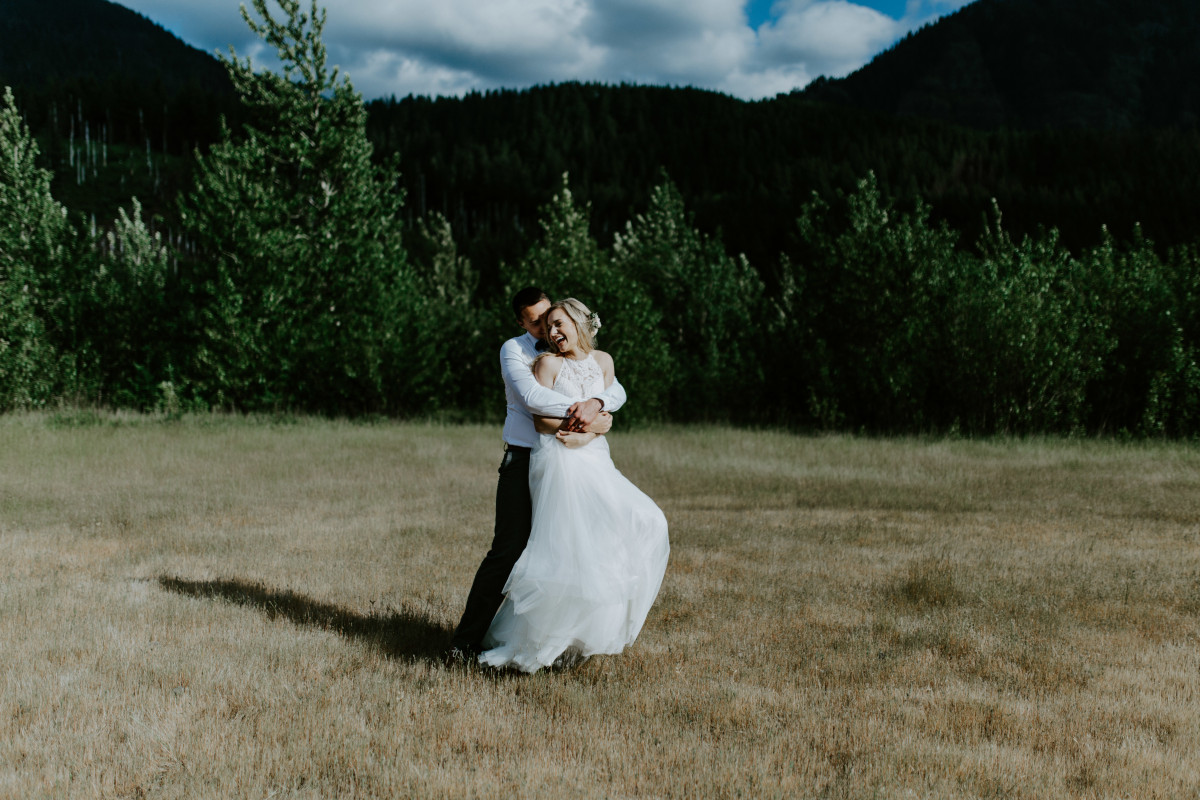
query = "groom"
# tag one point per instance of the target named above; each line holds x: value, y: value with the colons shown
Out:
x: 514, y: 509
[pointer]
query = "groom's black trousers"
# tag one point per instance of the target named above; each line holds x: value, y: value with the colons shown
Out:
x: 514, y: 518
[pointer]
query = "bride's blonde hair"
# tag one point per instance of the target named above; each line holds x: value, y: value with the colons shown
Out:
x: 586, y: 323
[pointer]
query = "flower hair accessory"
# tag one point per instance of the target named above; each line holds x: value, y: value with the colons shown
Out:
x: 594, y: 319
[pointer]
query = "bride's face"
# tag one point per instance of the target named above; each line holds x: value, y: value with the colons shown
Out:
x: 561, y: 331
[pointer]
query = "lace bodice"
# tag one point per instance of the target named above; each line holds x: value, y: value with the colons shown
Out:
x: 580, y: 379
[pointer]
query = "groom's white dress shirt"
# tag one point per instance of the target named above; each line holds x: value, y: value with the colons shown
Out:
x: 527, y: 397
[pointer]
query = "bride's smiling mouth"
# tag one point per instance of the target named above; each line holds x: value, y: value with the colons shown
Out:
x: 559, y: 341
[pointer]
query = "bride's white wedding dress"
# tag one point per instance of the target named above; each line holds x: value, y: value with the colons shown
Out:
x: 596, y: 556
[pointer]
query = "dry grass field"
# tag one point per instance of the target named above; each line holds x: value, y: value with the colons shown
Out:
x: 222, y: 608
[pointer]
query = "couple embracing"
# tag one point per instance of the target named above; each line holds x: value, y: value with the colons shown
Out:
x: 579, y: 552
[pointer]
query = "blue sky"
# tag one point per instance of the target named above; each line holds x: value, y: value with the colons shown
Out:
x: 746, y: 48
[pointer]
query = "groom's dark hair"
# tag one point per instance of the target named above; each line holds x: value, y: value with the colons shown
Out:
x: 529, y: 296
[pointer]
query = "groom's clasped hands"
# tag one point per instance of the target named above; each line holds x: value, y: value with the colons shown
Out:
x: 585, y: 420
x: 583, y: 414
x: 599, y: 427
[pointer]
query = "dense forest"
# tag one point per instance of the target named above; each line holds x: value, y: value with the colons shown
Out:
x: 105, y: 67
x: 797, y: 260
x: 118, y: 104
x: 487, y: 162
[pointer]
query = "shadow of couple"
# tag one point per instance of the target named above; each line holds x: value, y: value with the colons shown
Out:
x: 398, y: 633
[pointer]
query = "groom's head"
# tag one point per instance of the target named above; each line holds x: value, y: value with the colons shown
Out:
x: 530, y: 305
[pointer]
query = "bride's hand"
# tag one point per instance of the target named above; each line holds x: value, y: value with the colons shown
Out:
x: 573, y: 440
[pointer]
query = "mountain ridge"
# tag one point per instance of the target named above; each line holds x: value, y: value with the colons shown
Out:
x: 41, y: 43
x: 1099, y: 64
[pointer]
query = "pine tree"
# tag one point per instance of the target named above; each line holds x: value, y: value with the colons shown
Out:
x: 34, y: 240
x: 710, y: 305
x: 305, y: 281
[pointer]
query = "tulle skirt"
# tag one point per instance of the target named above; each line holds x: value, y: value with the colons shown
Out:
x: 593, y: 566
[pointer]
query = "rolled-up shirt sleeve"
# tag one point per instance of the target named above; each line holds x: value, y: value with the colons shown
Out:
x: 519, y: 377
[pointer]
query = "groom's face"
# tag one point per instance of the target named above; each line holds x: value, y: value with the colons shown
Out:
x: 531, y: 318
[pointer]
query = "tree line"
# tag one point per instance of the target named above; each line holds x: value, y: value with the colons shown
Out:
x: 313, y: 281
x: 488, y: 161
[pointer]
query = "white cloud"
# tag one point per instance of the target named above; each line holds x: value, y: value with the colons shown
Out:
x: 381, y: 73
x: 829, y: 38
x: 452, y: 46
x: 504, y: 33
x: 660, y: 41
x: 766, y: 82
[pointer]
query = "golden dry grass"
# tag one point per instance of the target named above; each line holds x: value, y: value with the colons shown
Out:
x: 220, y: 608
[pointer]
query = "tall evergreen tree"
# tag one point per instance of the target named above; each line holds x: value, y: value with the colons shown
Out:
x: 710, y: 305
x: 305, y: 277
x: 34, y: 240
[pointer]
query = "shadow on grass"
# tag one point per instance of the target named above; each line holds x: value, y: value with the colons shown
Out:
x: 398, y: 633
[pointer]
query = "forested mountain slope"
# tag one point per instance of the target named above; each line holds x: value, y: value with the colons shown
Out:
x: 118, y: 102
x: 126, y: 71
x: 1098, y: 64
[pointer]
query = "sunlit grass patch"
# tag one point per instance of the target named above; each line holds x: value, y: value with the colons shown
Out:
x: 217, y: 607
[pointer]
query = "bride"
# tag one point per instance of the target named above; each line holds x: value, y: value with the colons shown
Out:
x: 598, y: 548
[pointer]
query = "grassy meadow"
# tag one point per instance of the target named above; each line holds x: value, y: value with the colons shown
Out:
x: 228, y: 608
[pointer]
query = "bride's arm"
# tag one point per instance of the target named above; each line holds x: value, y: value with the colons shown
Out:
x: 601, y: 426
x: 545, y: 370
x: 575, y: 439
x: 547, y: 424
